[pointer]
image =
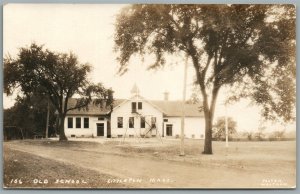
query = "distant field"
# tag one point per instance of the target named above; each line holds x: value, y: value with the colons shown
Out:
x: 241, y: 165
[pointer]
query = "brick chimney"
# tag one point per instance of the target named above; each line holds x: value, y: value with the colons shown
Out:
x: 166, y: 95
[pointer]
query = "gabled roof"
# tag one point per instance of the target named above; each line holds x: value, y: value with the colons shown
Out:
x: 92, y: 109
x: 168, y: 108
x: 174, y: 108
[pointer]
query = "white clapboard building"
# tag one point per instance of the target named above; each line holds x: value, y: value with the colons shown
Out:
x: 136, y: 117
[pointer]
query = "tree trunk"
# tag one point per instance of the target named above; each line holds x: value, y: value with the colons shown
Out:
x: 209, y: 116
x: 62, y: 135
x: 208, y: 134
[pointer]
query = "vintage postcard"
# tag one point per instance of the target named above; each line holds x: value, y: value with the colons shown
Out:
x: 135, y: 96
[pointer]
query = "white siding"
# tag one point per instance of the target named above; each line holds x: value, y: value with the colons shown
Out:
x: 194, y: 127
x: 84, y: 132
x: 124, y: 110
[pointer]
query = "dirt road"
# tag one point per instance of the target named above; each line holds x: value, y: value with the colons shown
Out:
x: 149, y: 172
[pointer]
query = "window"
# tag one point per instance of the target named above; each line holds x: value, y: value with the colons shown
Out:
x: 78, y: 122
x: 153, y: 122
x: 133, y: 107
x: 165, y: 120
x: 131, y: 122
x: 86, y: 122
x: 120, y: 122
x: 143, y: 122
x: 101, y: 119
x: 70, y: 122
x: 140, y: 105
x: 169, y: 130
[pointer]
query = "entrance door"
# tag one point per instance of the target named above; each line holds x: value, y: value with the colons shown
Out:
x: 169, y: 129
x: 100, y: 129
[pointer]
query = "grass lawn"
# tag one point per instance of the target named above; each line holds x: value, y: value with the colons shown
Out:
x: 23, y: 170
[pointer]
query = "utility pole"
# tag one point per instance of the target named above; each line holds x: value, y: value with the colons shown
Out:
x: 47, y: 122
x: 183, y: 108
x: 226, y: 125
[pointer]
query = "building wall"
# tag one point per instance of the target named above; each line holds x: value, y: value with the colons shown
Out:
x: 85, y: 132
x: 194, y: 127
x: 125, y: 111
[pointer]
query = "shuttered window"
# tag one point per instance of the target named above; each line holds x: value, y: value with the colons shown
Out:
x: 143, y: 122
x: 70, y: 122
x: 78, y: 122
x: 120, y: 122
x: 86, y: 122
x: 131, y: 122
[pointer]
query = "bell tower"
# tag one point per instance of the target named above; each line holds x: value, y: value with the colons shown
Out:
x: 135, y: 91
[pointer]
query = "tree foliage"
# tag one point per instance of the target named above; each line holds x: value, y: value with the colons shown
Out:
x: 260, y: 133
x: 219, y: 128
x: 59, y: 76
x: 277, y: 135
x: 250, y: 48
x: 29, y: 114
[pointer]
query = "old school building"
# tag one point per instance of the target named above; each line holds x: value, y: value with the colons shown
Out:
x: 136, y: 117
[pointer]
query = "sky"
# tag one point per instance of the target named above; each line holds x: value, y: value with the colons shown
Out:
x: 88, y: 31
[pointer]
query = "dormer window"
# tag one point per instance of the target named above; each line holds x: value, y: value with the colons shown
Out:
x: 140, y: 105
x: 133, y: 107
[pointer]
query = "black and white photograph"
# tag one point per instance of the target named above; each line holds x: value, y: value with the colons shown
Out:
x: 149, y: 96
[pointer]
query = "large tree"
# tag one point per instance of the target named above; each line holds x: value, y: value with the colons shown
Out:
x: 250, y: 48
x: 58, y: 76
